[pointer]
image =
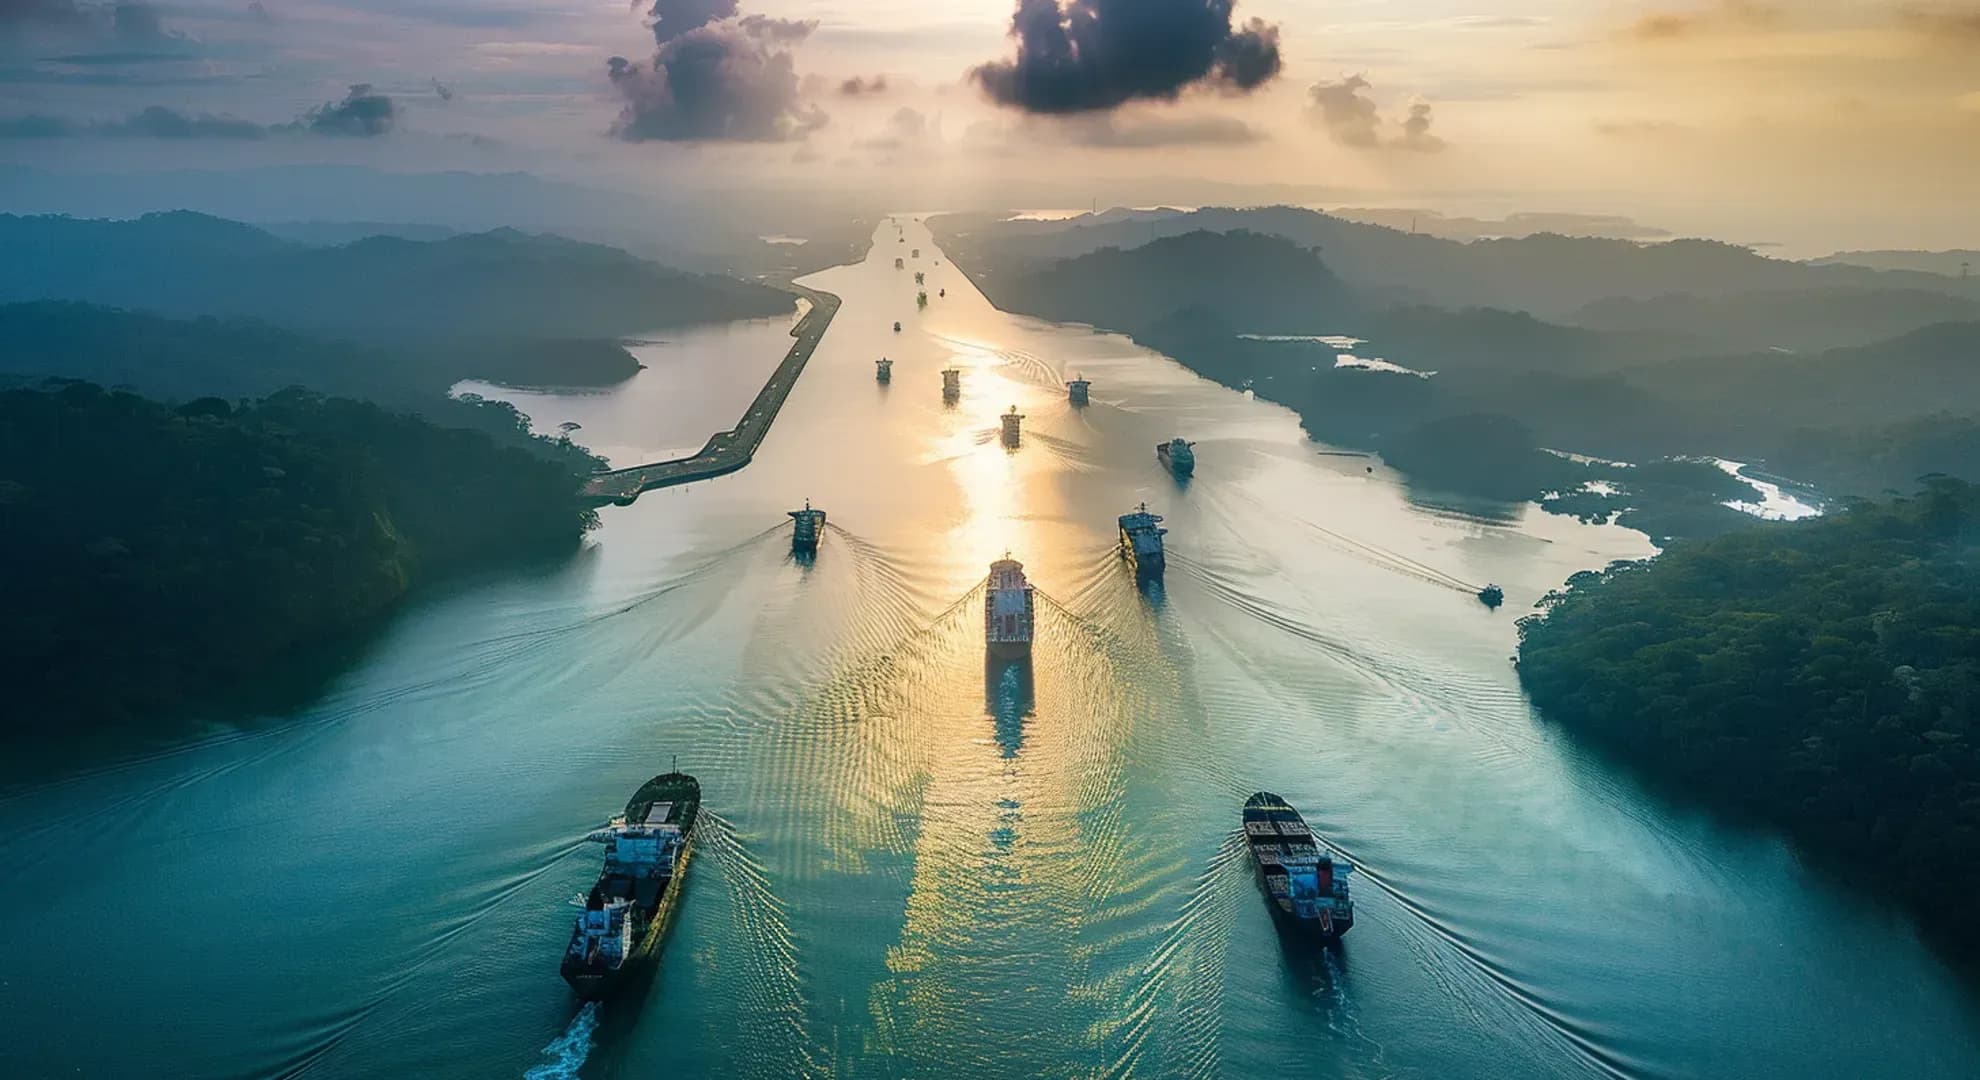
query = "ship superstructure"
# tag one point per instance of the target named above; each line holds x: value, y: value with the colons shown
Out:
x: 807, y: 525
x: 1141, y: 543
x: 1076, y: 390
x: 1012, y: 421
x: 1007, y: 610
x: 1305, y: 884
x: 883, y: 370
x: 1178, y: 455
x: 628, y: 909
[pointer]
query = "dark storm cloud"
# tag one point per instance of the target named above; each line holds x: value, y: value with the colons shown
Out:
x: 362, y: 113
x: 1086, y: 55
x: 721, y: 79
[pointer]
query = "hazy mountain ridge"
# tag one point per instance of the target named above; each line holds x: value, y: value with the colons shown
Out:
x: 496, y: 283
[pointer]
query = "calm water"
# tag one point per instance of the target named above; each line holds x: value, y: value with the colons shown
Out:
x: 916, y: 867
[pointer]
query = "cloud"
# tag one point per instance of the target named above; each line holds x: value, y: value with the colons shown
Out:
x: 714, y: 76
x: 36, y: 126
x: 446, y: 92
x: 121, y: 32
x: 1416, y: 131
x: 159, y: 122
x: 856, y: 86
x: 1350, y: 117
x: 362, y: 113
x: 1663, y: 26
x: 906, y: 129
x: 1108, y: 132
x: 1090, y: 55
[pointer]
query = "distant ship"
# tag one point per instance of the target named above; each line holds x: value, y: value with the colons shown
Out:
x: 1007, y: 609
x: 918, y: 276
x: 627, y: 911
x: 883, y: 370
x: 951, y: 383
x: 941, y: 292
x: 1141, y: 543
x: 1492, y: 596
x: 1178, y: 456
x: 1306, y: 885
x: 897, y: 326
x: 1076, y: 391
x: 921, y: 298
x: 899, y: 262
x: 806, y: 526
x: 916, y: 253
x: 1011, y: 421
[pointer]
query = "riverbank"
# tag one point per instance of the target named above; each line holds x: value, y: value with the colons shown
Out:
x: 727, y: 451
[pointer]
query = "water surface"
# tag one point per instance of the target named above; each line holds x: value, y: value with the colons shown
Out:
x: 919, y: 866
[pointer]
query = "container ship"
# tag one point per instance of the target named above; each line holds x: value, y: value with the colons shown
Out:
x: 1007, y: 609
x: 1306, y: 886
x: 806, y: 527
x: 951, y: 383
x: 1141, y: 543
x: 883, y: 370
x: 1076, y: 391
x: 627, y: 912
x: 1012, y: 420
x: 1177, y: 455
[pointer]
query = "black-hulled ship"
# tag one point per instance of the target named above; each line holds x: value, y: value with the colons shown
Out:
x: 1007, y: 611
x: 1141, y: 543
x: 1491, y: 596
x: 627, y: 911
x: 1076, y: 390
x: 897, y: 327
x: 951, y: 383
x: 807, y: 525
x: 1177, y: 455
x: 883, y: 370
x: 1305, y: 884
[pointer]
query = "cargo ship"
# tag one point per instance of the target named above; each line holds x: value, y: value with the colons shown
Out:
x: 883, y: 370
x: 1007, y: 609
x: 1012, y: 420
x: 1177, y: 455
x: 1306, y: 886
x: 627, y: 911
x: 1141, y: 543
x: 1076, y: 391
x: 951, y: 383
x: 807, y: 525
x: 1491, y: 596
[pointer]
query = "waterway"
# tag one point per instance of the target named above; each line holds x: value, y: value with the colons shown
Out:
x: 915, y: 866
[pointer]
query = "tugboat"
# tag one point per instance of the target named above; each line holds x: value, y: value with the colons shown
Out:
x: 1076, y: 391
x: 883, y: 370
x: 1007, y: 609
x: 1492, y: 596
x: 627, y: 911
x: 897, y: 326
x: 1141, y: 543
x: 1306, y: 885
x: 1177, y: 455
x: 951, y: 383
x: 1011, y: 421
x: 807, y: 526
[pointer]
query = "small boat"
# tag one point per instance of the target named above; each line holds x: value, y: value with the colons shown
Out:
x: 627, y: 911
x: 1011, y: 421
x: 807, y: 525
x: 1141, y: 543
x: 921, y: 298
x: 915, y: 254
x: 1305, y: 884
x: 883, y: 370
x: 1177, y: 455
x: 951, y: 383
x: 897, y: 326
x: 1076, y: 391
x: 1491, y: 596
x: 899, y: 263
x: 918, y: 276
x: 1007, y: 610
x: 941, y: 292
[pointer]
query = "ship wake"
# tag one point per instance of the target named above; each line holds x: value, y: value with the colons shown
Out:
x: 568, y: 1052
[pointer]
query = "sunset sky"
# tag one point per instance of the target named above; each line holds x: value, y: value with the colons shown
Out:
x: 1846, y: 122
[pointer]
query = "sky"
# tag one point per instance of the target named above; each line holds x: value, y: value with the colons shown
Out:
x: 1838, y: 123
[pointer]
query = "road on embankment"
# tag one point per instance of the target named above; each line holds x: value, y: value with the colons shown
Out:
x: 727, y: 451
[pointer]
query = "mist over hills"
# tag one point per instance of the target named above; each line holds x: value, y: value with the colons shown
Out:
x: 497, y: 283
